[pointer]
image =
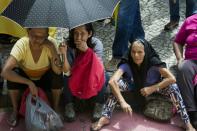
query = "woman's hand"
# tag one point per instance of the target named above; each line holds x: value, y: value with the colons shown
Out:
x: 63, y: 48
x: 126, y: 107
x: 81, y: 45
x: 33, y: 89
x: 146, y: 91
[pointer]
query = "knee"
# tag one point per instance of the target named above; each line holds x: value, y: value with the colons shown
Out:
x: 184, y: 67
x: 174, y: 87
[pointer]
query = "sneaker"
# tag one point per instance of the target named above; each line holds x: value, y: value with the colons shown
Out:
x: 13, y: 119
x: 97, y: 113
x: 171, y: 25
x: 112, y: 64
x: 69, y: 112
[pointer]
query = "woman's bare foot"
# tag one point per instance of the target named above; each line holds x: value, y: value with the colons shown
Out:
x: 13, y: 119
x: 189, y: 127
x: 103, y: 121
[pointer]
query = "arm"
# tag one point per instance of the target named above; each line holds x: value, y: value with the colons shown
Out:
x: 116, y: 91
x: 168, y: 78
x: 98, y: 49
x: 178, y: 50
x: 63, y: 48
x: 54, y: 59
x: 180, y: 41
x: 10, y: 75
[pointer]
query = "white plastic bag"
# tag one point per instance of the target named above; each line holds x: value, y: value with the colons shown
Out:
x: 40, y: 116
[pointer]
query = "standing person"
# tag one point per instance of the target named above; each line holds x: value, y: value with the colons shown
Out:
x: 32, y: 64
x: 142, y: 71
x: 129, y: 27
x: 186, y: 42
x: 191, y: 8
x: 81, y: 45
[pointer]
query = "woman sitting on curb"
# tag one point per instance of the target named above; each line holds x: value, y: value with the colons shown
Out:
x: 33, y: 63
x: 141, y: 70
x: 83, y: 65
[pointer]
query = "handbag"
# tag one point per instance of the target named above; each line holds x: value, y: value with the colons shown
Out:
x: 40, y: 116
x: 87, y: 75
x: 158, y: 107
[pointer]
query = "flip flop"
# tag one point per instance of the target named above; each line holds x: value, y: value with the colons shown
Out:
x: 13, y: 120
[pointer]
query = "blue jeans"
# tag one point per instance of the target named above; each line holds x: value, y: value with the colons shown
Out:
x: 129, y: 26
x: 191, y: 8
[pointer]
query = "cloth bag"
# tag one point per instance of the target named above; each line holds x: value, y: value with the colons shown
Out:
x: 158, y: 107
x: 41, y: 94
x: 87, y: 75
x: 40, y: 116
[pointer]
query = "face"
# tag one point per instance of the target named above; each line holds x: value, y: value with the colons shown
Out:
x: 37, y: 35
x: 81, y: 34
x: 137, y: 53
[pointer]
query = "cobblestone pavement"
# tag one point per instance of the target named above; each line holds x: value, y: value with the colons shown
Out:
x: 155, y: 14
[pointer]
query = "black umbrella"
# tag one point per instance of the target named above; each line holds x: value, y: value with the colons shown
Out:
x: 59, y: 13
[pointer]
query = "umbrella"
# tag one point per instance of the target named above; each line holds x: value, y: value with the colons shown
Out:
x: 7, y: 26
x: 59, y: 13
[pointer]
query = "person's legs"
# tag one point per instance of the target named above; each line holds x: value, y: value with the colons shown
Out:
x: 14, y: 92
x: 175, y: 95
x: 138, y: 31
x: 125, y: 21
x: 99, y: 100
x: 191, y: 7
x: 174, y: 15
x: 14, y: 96
x: 13, y: 119
x: 52, y: 81
x: 56, y: 97
x: 69, y: 111
x: 68, y: 97
x: 101, y: 94
x: 187, y: 71
x: 109, y: 107
x: 174, y: 10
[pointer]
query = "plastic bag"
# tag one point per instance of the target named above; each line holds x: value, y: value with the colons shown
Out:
x: 41, y: 94
x: 40, y: 116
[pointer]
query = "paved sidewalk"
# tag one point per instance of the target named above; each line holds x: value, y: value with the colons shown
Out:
x: 155, y: 14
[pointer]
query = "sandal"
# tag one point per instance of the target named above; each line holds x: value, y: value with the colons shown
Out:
x: 13, y: 119
x: 99, y: 124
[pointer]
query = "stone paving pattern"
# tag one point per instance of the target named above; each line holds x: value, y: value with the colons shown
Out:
x: 154, y: 14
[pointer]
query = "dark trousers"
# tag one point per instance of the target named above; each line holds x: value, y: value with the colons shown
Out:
x: 49, y: 80
x: 191, y: 8
x: 187, y: 70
